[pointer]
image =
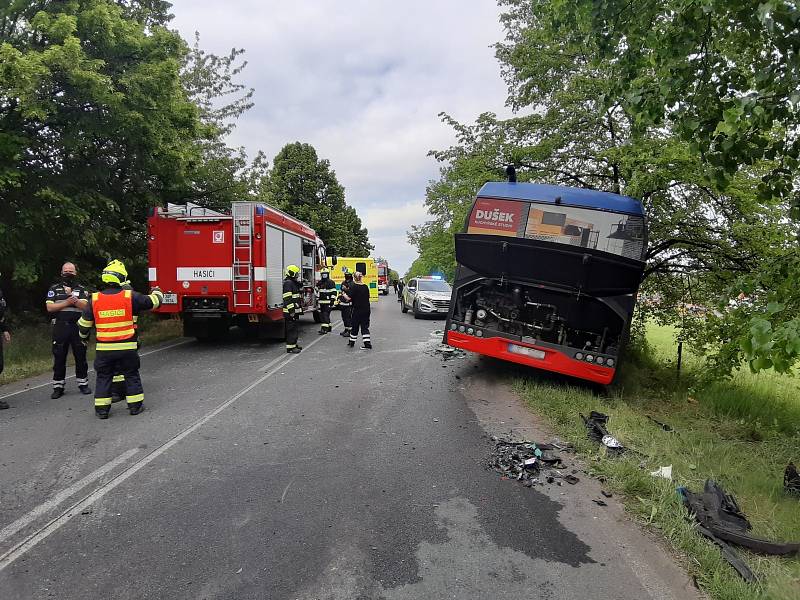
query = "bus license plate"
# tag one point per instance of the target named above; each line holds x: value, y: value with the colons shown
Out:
x: 532, y: 352
x: 170, y: 298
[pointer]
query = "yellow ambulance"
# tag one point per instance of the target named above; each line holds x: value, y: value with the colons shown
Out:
x: 366, y: 266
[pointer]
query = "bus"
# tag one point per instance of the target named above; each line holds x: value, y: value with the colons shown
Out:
x: 366, y: 266
x: 383, y: 276
x: 547, y: 276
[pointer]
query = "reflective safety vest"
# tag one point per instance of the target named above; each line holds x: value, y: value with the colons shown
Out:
x: 113, y: 318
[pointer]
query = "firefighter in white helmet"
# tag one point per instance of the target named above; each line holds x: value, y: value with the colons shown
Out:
x: 292, y: 308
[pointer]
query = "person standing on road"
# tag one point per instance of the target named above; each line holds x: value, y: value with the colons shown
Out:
x: 111, y: 313
x: 292, y: 308
x: 394, y: 285
x: 118, y: 382
x: 65, y: 302
x: 327, y: 295
x: 359, y: 296
x: 400, y: 286
x: 5, y: 336
x: 345, y: 305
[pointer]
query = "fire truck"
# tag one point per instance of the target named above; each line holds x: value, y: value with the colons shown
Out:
x: 221, y: 269
x: 383, y: 275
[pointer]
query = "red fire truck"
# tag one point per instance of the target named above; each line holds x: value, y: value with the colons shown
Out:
x: 218, y: 270
x: 383, y: 275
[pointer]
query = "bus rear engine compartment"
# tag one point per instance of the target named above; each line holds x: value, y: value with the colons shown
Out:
x: 533, y: 314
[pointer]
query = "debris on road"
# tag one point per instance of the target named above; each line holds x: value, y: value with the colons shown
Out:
x: 596, y: 424
x: 607, y: 494
x: 663, y: 472
x: 791, y: 479
x: 721, y: 520
x: 599, y: 502
x: 527, y: 462
x: 446, y: 352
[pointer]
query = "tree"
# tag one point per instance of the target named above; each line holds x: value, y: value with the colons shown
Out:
x: 105, y: 113
x: 306, y: 187
x: 577, y: 132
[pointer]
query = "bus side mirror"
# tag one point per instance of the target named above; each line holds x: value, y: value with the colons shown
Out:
x: 334, y: 260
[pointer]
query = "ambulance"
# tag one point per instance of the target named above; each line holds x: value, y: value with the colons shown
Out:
x: 366, y: 266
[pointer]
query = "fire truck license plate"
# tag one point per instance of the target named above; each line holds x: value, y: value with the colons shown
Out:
x: 170, y: 298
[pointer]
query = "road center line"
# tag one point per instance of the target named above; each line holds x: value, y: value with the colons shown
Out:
x: 143, y: 354
x: 54, y: 525
x: 61, y: 496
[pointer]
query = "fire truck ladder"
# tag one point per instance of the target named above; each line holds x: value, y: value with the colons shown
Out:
x: 242, y: 254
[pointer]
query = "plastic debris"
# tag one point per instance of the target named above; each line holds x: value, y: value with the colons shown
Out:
x: 571, y: 479
x: 721, y: 520
x: 663, y: 426
x: 663, y: 472
x: 791, y: 479
x: 522, y: 461
x: 596, y: 430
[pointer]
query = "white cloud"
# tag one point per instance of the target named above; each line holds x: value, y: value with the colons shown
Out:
x: 363, y: 81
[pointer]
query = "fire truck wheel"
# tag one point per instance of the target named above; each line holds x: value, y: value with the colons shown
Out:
x: 317, y: 317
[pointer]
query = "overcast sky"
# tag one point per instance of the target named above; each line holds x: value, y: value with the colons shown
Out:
x: 362, y: 81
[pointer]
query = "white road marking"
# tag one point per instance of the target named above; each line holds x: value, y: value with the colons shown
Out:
x: 286, y: 489
x: 54, y: 525
x: 41, y: 385
x: 61, y: 496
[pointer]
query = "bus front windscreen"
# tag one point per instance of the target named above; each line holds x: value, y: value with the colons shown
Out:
x: 614, y: 233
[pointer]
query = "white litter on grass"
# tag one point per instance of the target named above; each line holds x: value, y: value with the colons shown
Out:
x: 663, y: 472
x: 611, y: 442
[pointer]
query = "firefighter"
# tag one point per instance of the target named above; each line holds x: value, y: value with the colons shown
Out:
x: 400, y: 286
x: 118, y: 382
x: 359, y: 296
x: 344, y: 303
x: 5, y: 336
x: 292, y: 308
x: 327, y: 296
x: 111, y: 313
x: 65, y: 301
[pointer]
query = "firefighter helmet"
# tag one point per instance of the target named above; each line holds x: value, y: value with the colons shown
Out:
x: 292, y: 271
x: 115, y: 272
x: 325, y: 272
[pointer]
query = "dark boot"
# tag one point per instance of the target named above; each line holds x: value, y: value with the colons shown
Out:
x: 295, y: 350
x: 351, y: 344
x: 102, y: 412
x: 322, y: 332
x: 367, y: 346
x: 85, y: 389
x: 345, y: 333
x: 57, y: 393
x: 135, y: 407
x: 3, y: 405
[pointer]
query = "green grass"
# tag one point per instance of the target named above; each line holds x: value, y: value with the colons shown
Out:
x: 30, y: 350
x: 740, y: 432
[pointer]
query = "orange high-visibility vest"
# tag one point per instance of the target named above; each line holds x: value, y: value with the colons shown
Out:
x: 113, y: 316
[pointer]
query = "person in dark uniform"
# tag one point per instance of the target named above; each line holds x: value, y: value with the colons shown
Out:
x: 400, y: 286
x: 5, y: 336
x: 359, y: 296
x: 292, y: 308
x: 345, y: 305
x: 394, y: 285
x: 111, y: 313
x: 327, y: 296
x: 65, y: 302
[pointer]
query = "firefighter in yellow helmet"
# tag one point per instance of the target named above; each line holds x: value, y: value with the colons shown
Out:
x: 111, y: 312
x: 292, y: 307
x: 327, y: 296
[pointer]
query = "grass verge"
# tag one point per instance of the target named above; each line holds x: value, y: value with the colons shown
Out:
x: 740, y: 432
x: 30, y: 351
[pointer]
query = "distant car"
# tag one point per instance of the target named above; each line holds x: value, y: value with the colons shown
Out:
x: 426, y: 296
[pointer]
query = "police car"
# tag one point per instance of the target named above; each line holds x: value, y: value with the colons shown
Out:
x: 426, y: 296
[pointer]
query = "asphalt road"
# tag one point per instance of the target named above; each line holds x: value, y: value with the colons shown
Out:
x: 332, y: 474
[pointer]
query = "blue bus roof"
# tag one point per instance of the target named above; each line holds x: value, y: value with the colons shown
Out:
x: 539, y: 192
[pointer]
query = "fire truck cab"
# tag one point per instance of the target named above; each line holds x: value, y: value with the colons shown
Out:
x: 218, y: 269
